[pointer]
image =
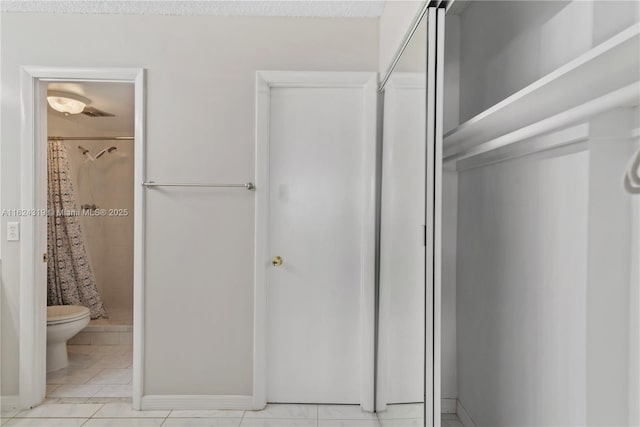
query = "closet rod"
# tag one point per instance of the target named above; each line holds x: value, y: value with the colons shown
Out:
x: 150, y: 184
x: 85, y: 138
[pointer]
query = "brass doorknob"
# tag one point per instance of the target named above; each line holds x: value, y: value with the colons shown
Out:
x: 276, y: 261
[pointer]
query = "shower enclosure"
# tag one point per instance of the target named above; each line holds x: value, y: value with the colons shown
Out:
x: 100, y: 154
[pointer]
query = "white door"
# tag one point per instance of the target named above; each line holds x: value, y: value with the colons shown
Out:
x: 320, y: 223
x: 401, y: 330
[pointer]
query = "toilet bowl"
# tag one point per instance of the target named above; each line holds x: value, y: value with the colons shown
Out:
x: 63, y: 323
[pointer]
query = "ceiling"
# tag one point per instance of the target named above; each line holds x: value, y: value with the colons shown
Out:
x: 115, y: 98
x: 317, y: 8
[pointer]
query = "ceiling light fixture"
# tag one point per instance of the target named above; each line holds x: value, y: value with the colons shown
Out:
x: 66, y: 102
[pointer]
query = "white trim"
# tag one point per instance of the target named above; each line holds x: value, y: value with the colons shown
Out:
x: 448, y: 405
x: 548, y: 141
x: 401, y: 80
x: 197, y: 402
x: 265, y: 80
x: 32, y: 351
x: 9, y: 403
x: 464, y: 417
x: 571, y: 85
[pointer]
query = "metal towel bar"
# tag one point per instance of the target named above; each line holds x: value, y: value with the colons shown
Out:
x: 151, y: 184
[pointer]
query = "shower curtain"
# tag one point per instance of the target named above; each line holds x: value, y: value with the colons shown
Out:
x: 70, y: 279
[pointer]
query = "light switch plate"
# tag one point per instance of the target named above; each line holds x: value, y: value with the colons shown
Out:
x: 13, y: 231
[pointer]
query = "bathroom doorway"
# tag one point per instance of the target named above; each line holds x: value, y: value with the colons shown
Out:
x: 82, y: 302
x: 90, y: 169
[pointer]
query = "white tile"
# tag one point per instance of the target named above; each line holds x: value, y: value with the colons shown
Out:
x: 409, y: 410
x: 51, y: 388
x: 124, y: 410
x: 115, y: 391
x: 124, y: 422
x: 285, y: 411
x: 202, y: 422
x: 67, y: 410
x: 344, y: 412
x: 46, y: 422
x: 112, y: 377
x: 112, y: 349
x: 6, y: 415
x: 215, y: 413
x: 10, y: 413
x: 406, y: 422
x: 83, y: 338
x: 121, y: 361
x: 274, y: 422
x: 65, y: 376
x: 82, y: 361
x: 105, y: 338
x: 83, y: 349
x: 452, y: 423
x: 83, y: 390
x: 71, y: 400
x: 95, y: 399
x: 126, y: 338
x: 348, y: 423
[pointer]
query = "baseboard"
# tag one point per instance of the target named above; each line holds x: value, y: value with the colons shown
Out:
x: 196, y: 402
x: 8, y: 403
x: 448, y: 406
x: 465, y: 419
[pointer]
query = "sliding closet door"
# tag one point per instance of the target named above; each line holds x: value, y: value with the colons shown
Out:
x: 433, y: 215
x: 408, y: 363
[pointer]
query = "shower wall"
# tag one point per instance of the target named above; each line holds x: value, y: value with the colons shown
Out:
x: 107, y: 183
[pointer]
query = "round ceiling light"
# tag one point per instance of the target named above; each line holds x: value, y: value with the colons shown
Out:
x: 66, y: 102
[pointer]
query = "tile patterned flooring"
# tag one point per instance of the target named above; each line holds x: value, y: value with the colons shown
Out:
x: 120, y: 414
x: 95, y: 391
x: 95, y: 372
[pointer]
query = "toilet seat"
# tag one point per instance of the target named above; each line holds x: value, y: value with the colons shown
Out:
x: 58, y: 314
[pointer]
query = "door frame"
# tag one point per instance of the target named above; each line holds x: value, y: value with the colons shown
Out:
x: 367, y: 82
x: 33, y: 196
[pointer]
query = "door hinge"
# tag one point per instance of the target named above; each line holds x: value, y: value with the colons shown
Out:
x: 45, y: 257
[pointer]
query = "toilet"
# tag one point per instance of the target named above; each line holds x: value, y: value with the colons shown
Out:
x: 63, y: 323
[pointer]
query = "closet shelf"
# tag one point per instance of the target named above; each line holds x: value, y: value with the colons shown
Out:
x: 612, y: 66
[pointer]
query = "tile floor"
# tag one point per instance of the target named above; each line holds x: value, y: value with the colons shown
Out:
x: 94, y: 372
x: 119, y: 414
x: 95, y: 391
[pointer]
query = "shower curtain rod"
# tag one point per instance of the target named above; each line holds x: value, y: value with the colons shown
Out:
x: 85, y: 138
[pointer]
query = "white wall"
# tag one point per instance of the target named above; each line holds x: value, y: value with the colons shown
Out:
x: 522, y: 290
x: 395, y: 21
x: 200, y: 127
x: 506, y: 45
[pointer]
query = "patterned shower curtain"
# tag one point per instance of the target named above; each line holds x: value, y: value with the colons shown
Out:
x: 70, y: 279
